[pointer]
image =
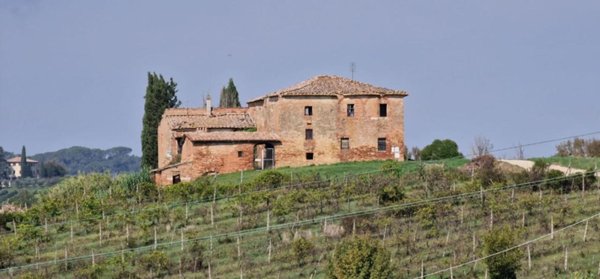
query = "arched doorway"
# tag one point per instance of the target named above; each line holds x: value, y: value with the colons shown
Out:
x: 264, y: 156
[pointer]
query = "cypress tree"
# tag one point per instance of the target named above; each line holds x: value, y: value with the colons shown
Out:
x: 229, y: 96
x: 25, y: 167
x: 4, y: 167
x: 160, y: 95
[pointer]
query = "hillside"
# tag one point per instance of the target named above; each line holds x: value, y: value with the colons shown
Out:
x: 79, y: 159
x: 431, y: 218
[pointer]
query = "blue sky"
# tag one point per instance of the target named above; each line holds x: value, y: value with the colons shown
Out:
x: 74, y: 72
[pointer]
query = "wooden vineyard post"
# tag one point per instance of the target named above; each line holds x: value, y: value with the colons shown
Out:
x: 491, y: 218
x: 422, y: 270
x: 474, y: 245
x: 127, y: 233
x: 551, y: 227
x: 187, y: 213
x: 523, y: 220
x: 46, y: 226
x: 210, y: 258
x: 212, y: 207
x: 14, y: 227
x: 93, y: 259
x: 512, y: 196
x: 71, y: 235
x: 182, y: 240
x: 528, y: 257
x: 353, y: 226
x: 77, y: 209
x: 155, y: 240
x: 239, y: 249
x: 566, y: 258
x: 100, y: 233
x: 585, y: 231
x: 66, y: 259
x: 270, y: 248
x: 462, y: 214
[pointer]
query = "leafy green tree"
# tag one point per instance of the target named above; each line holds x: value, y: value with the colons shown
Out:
x: 229, y: 96
x: 52, y: 169
x: 302, y: 249
x: 4, y: 167
x: 25, y: 167
x: 359, y: 258
x: 504, y: 265
x: 160, y: 95
x: 441, y: 149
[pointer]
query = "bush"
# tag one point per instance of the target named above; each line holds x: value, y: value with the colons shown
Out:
x: 269, y: 179
x: 441, y: 149
x: 302, y: 249
x: 392, y: 168
x: 391, y: 194
x: 486, y: 171
x: 507, y: 264
x: 360, y: 257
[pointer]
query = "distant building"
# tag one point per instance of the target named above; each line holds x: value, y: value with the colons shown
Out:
x: 15, y: 164
x: 324, y: 120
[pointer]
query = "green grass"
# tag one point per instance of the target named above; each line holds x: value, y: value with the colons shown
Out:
x: 331, y: 170
x: 574, y: 162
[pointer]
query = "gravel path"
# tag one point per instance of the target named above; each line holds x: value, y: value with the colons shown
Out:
x: 526, y: 164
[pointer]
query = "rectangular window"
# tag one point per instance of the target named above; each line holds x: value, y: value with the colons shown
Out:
x: 382, y: 110
x: 381, y: 145
x: 350, y: 110
x: 309, y: 134
x: 308, y: 110
x: 180, y: 142
x: 240, y: 153
x: 176, y: 179
x: 309, y: 156
x: 345, y: 143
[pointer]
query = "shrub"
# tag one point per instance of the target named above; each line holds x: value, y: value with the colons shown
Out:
x: 269, y: 179
x: 392, y: 168
x: 441, y: 149
x: 360, y: 257
x: 391, y: 194
x: 506, y: 264
x: 302, y: 249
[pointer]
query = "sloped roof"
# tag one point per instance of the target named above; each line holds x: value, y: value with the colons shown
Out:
x: 18, y: 160
x: 231, y: 136
x: 332, y: 86
x: 199, y: 118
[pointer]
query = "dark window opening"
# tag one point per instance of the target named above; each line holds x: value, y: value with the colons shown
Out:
x: 308, y: 110
x: 381, y: 145
x: 382, y: 110
x: 309, y: 134
x: 309, y: 156
x: 350, y: 110
x: 240, y: 153
x: 345, y: 143
x: 180, y: 142
x: 176, y: 179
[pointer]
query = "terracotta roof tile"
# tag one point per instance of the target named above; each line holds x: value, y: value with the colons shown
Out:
x: 231, y: 136
x: 332, y: 86
x: 18, y: 160
x: 198, y: 118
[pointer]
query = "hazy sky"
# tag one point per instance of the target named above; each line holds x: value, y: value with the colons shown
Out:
x: 75, y: 72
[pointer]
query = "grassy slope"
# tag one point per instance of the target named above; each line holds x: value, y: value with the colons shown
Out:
x: 574, y: 162
x: 330, y: 171
x: 408, y: 242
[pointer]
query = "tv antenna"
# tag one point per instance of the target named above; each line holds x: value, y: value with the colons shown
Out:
x: 352, y: 69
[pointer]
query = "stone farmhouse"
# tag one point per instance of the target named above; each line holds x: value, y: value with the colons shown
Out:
x: 323, y: 120
x: 15, y: 165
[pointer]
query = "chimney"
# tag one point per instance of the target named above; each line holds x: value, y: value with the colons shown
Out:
x: 208, y: 102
